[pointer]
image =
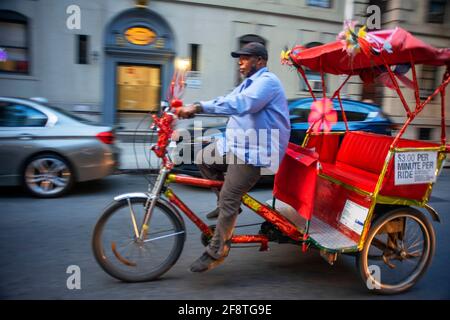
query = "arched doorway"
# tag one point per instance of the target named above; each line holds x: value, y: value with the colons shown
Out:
x: 139, y: 53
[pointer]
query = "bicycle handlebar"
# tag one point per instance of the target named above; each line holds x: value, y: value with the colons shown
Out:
x: 164, y: 125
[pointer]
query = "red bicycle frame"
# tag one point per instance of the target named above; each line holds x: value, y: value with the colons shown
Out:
x: 267, y: 213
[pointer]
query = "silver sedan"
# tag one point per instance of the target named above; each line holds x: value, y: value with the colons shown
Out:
x: 47, y: 149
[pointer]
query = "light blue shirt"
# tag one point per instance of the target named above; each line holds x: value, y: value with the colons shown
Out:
x: 258, y: 129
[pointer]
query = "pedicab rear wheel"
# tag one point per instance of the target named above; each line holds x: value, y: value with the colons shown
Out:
x: 397, y: 252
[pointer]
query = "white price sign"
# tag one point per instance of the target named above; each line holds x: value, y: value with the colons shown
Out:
x: 415, y: 167
x: 353, y: 216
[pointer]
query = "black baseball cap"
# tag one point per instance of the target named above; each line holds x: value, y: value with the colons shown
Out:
x: 251, y: 49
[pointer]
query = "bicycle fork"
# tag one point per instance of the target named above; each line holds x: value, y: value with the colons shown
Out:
x: 150, y: 204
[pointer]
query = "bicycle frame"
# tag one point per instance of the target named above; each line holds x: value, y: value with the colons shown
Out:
x: 267, y: 213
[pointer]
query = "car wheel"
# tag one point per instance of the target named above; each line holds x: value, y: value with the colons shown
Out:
x: 48, y: 176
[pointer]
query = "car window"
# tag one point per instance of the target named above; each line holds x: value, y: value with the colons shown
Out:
x: 69, y: 114
x: 301, y: 115
x: 352, y: 116
x: 17, y: 115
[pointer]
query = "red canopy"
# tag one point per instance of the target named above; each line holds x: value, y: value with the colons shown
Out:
x: 336, y: 60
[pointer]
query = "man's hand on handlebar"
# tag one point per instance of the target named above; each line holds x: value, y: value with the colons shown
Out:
x: 189, y: 111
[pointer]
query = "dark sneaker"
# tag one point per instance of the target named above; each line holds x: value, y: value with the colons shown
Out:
x: 215, y: 214
x: 205, y: 263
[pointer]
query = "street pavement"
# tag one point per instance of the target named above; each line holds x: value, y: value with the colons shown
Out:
x: 41, y: 238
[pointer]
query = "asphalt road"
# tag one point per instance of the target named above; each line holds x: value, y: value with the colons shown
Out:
x: 40, y: 239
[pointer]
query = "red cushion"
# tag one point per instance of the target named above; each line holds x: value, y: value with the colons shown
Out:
x: 326, y: 146
x: 350, y: 175
x: 405, y: 143
x: 365, y: 151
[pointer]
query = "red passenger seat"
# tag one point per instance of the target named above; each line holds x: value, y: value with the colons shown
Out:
x: 360, y: 160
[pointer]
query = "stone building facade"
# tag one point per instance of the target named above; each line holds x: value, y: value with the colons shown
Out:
x: 114, y: 56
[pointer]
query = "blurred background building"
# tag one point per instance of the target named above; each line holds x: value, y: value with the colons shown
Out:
x: 116, y: 57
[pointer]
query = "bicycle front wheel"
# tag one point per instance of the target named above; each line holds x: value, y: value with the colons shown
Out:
x: 123, y: 255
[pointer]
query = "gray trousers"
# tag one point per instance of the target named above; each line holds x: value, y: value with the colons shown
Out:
x: 238, y: 179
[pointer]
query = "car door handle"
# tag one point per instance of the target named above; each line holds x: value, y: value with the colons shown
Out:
x: 25, y: 136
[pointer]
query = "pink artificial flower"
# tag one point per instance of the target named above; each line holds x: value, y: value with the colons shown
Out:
x: 322, y: 115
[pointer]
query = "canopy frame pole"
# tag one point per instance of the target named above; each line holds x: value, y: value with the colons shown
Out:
x: 302, y: 72
x: 337, y: 94
x: 322, y: 77
x: 343, y: 111
x: 401, y: 132
x: 338, y: 91
x: 443, y: 85
x: 440, y: 89
x: 443, y: 127
x: 397, y: 87
x: 416, y: 83
x: 324, y: 96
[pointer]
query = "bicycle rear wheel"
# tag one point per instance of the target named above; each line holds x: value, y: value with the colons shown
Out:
x: 398, y: 250
x: 122, y: 255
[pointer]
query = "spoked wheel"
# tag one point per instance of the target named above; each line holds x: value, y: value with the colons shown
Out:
x: 122, y: 255
x: 398, y: 250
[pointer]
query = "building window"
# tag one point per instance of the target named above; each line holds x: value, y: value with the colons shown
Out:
x: 425, y: 133
x: 436, y: 11
x: 427, y: 81
x: 82, y: 48
x: 314, y: 81
x: 13, y: 42
x: 195, y: 56
x: 319, y: 3
x: 382, y: 4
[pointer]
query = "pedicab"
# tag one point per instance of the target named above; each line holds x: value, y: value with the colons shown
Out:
x: 351, y: 192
